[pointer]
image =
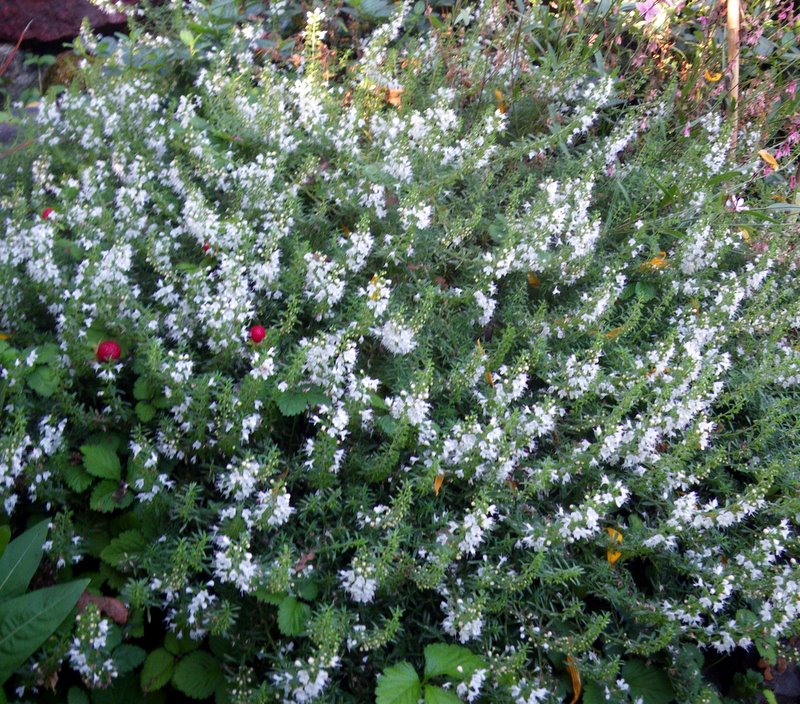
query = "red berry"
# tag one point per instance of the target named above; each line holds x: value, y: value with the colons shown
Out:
x: 108, y: 351
x: 46, y: 213
x: 206, y: 246
x: 257, y: 333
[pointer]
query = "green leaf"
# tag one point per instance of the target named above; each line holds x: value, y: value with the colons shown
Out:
x: 645, y: 291
x: 123, y: 550
x: 179, y: 646
x: 158, y: 669
x: 274, y: 598
x: 292, y: 403
x: 47, y: 353
x: 142, y: 390
x: 101, y: 461
x: 187, y: 38
x: 128, y: 657
x: 292, y: 616
x: 437, y: 695
x: 21, y: 560
x: 29, y: 620
x: 593, y: 694
x: 197, y: 675
x: 5, y: 536
x: 308, y: 589
x: 44, y: 381
x: 649, y: 683
x: 77, y: 696
x: 105, y: 497
x: 77, y: 478
x: 145, y: 411
x: 452, y: 660
x: 398, y: 684
x: 769, y: 696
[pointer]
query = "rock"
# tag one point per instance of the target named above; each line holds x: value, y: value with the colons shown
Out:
x: 53, y: 20
x: 18, y: 77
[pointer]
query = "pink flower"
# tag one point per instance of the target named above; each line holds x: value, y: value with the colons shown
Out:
x: 649, y: 9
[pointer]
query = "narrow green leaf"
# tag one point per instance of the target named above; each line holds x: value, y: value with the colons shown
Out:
x: 158, y: 669
x: 398, y: 684
x: 197, y: 675
x: 29, y: 620
x: 101, y: 461
x: 20, y: 560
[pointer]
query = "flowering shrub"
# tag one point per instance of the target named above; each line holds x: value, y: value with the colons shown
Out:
x: 460, y: 369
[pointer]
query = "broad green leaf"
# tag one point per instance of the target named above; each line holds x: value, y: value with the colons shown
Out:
x: 452, y: 660
x: 437, y: 695
x: 292, y: 403
x: 47, y: 353
x: 77, y: 478
x: 145, y: 411
x: 292, y: 616
x: 123, y: 550
x: 158, y: 669
x: 179, y: 646
x: 398, y: 684
x: 44, y: 381
x: 21, y: 560
x: 142, y: 390
x: 308, y: 589
x: 77, y: 696
x: 128, y: 657
x: 106, y: 497
x: 593, y: 694
x: 649, y: 683
x: 29, y: 620
x: 274, y: 598
x: 123, y: 690
x: 101, y: 461
x: 197, y: 675
x: 5, y: 536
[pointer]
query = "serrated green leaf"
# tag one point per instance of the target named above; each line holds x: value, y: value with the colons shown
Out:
x: 44, y: 381
x: 77, y: 478
x: 398, y: 684
x: 145, y: 411
x: 437, y: 695
x: 123, y: 550
x: 21, y: 560
x: 29, y: 620
x: 308, y: 589
x: 159, y: 666
x: 593, y: 694
x: 106, y: 497
x: 101, y: 461
x: 274, y: 598
x: 128, y: 657
x: 452, y: 660
x: 291, y: 404
x: 77, y: 696
x: 197, y: 675
x: 293, y: 615
x: 142, y: 389
x: 649, y: 683
x: 179, y: 646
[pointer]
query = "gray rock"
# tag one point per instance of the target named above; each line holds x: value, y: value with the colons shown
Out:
x: 18, y: 77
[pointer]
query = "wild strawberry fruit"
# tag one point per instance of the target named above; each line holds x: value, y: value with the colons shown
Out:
x: 257, y: 333
x: 206, y: 246
x: 46, y: 213
x: 108, y: 351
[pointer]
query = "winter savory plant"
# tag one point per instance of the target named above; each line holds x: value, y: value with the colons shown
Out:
x: 458, y: 365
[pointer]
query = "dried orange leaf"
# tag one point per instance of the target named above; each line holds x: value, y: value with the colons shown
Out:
x: 394, y: 96
x: 575, y: 678
x: 713, y: 77
x: 533, y: 280
x: 768, y: 159
x: 437, y: 483
x: 614, y: 333
x: 657, y: 262
x: 501, y: 103
x: 489, y: 378
x: 613, y: 555
x: 3, y: 336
